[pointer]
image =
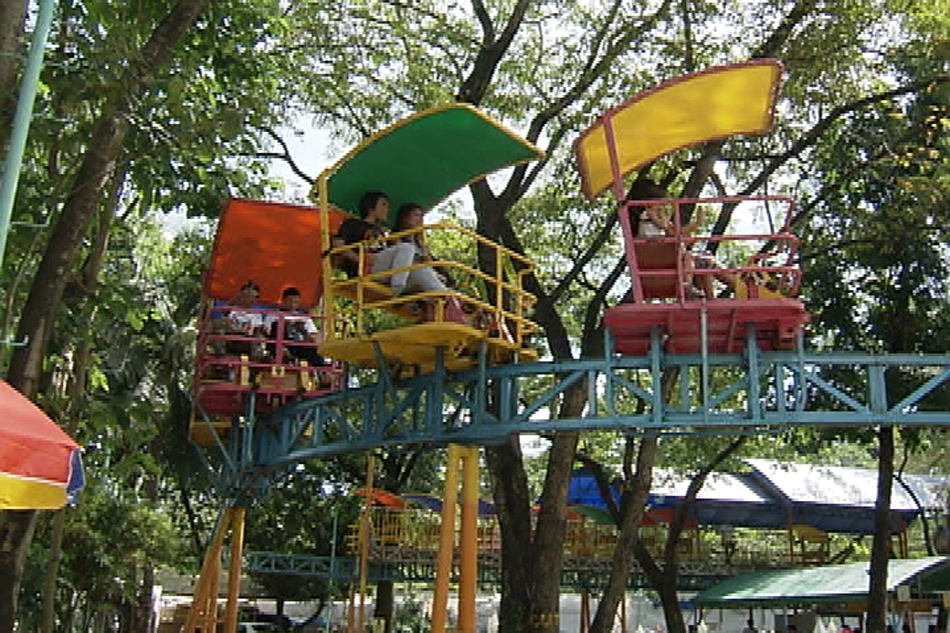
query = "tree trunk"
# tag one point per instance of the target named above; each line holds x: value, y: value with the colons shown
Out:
x: 510, y: 492
x: 16, y: 532
x: 62, y: 251
x: 633, y: 505
x: 52, y: 571
x: 880, y: 547
x: 12, y: 15
x: 385, y: 604
x: 548, y: 547
x: 77, y: 387
x: 141, y: 616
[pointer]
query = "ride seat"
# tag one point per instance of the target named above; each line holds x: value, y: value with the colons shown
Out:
x: 373, y: 292
x: 654, y: 258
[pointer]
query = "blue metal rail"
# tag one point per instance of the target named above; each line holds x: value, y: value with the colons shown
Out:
x: 752, y: 392
x: 346, y: 569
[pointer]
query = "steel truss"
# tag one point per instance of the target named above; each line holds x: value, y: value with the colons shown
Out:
x: 751, y: 392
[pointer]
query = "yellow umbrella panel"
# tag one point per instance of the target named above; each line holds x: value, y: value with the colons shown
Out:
x: 715, y: 103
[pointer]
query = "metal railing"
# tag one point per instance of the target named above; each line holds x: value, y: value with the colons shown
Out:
x: 503, y: 305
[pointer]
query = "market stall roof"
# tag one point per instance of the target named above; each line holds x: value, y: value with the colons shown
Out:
x: 778, y: 494
x: 831, y: 583
x: 434, y: 503
x: 831, y: 485
x: 725, y: 499
x: 833, y: 498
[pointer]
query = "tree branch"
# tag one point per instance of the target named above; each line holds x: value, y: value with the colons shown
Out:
x: 812, y: 136
x: 282, y: 155
x: 491, y: 52
x: 772, y: 46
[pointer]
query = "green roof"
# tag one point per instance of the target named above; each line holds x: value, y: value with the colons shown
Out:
x: 426, y: 157
x: 830, y: 583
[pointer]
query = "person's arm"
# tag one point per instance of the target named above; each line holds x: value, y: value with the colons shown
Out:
x: 659, y: 216
x: 698, y: 219
x: 311, y: 329
x: 351, y: 255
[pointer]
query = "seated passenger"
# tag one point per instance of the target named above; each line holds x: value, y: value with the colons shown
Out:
x: 297, y: 327
x: 373, y: 208
x: 655, y: 221
x: 243, y: 322
x: 413, y: 250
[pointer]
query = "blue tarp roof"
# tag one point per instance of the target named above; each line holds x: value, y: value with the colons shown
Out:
x: 777, y: 494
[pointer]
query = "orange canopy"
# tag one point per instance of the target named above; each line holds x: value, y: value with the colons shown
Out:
x: 275, y: 244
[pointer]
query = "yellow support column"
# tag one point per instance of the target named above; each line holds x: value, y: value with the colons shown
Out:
x: 203, y: 615
x: 443, y: 569
x: 234, y: 573
x: 364, y: 548
x: 468, y: 556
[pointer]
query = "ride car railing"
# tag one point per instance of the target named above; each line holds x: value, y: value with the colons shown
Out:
x: 230, y: 353
x: 495, y: 301
x: 770, y: 270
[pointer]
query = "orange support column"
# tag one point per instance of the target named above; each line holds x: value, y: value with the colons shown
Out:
x: 443, y: 568
x: 468, y: 556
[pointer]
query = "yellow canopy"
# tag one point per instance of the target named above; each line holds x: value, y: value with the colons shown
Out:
x: 715, y: 103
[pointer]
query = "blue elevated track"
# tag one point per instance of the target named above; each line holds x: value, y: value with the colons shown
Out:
x: 744, y: 393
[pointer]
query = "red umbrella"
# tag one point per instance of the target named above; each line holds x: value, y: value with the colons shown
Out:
x: 382, y: 497
x: 39, y: 462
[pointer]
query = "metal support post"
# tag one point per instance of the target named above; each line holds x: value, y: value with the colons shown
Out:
x: 752, y: 358
x: 443, y: 568
x: 655, y: 369
x: 704, y: 371
x: 468, y: 539
x: 234, y: 572
x: 21, y: 119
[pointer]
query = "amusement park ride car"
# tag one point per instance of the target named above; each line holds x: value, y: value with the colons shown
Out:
x: 437, y: 381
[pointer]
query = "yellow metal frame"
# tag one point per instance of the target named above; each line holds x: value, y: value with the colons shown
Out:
x: 466, y: 458
x: 203, y: 615
x: 347, y: 338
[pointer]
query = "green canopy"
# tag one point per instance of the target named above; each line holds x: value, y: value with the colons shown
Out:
x: 830, y: 583
x: 426, y: 157
x: 595, y: 514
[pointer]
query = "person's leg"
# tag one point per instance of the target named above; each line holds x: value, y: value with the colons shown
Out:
x: 424, y: 280
x: 392, y: 257
x: 427, y: 280
x: 703, y: 282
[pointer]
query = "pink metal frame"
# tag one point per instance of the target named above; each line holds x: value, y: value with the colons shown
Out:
x: 223, y: 396
x: 682, y: 243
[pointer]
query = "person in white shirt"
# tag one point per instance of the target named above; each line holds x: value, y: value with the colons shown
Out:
x: 297, y: 327
x: 244, y: 322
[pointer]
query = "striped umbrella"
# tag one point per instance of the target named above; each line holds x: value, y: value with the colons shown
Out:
x: 40, y: 466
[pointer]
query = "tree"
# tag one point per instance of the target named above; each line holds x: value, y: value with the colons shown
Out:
x: 63, y: 247
x: 550, y: 75
x: 883, y: 211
